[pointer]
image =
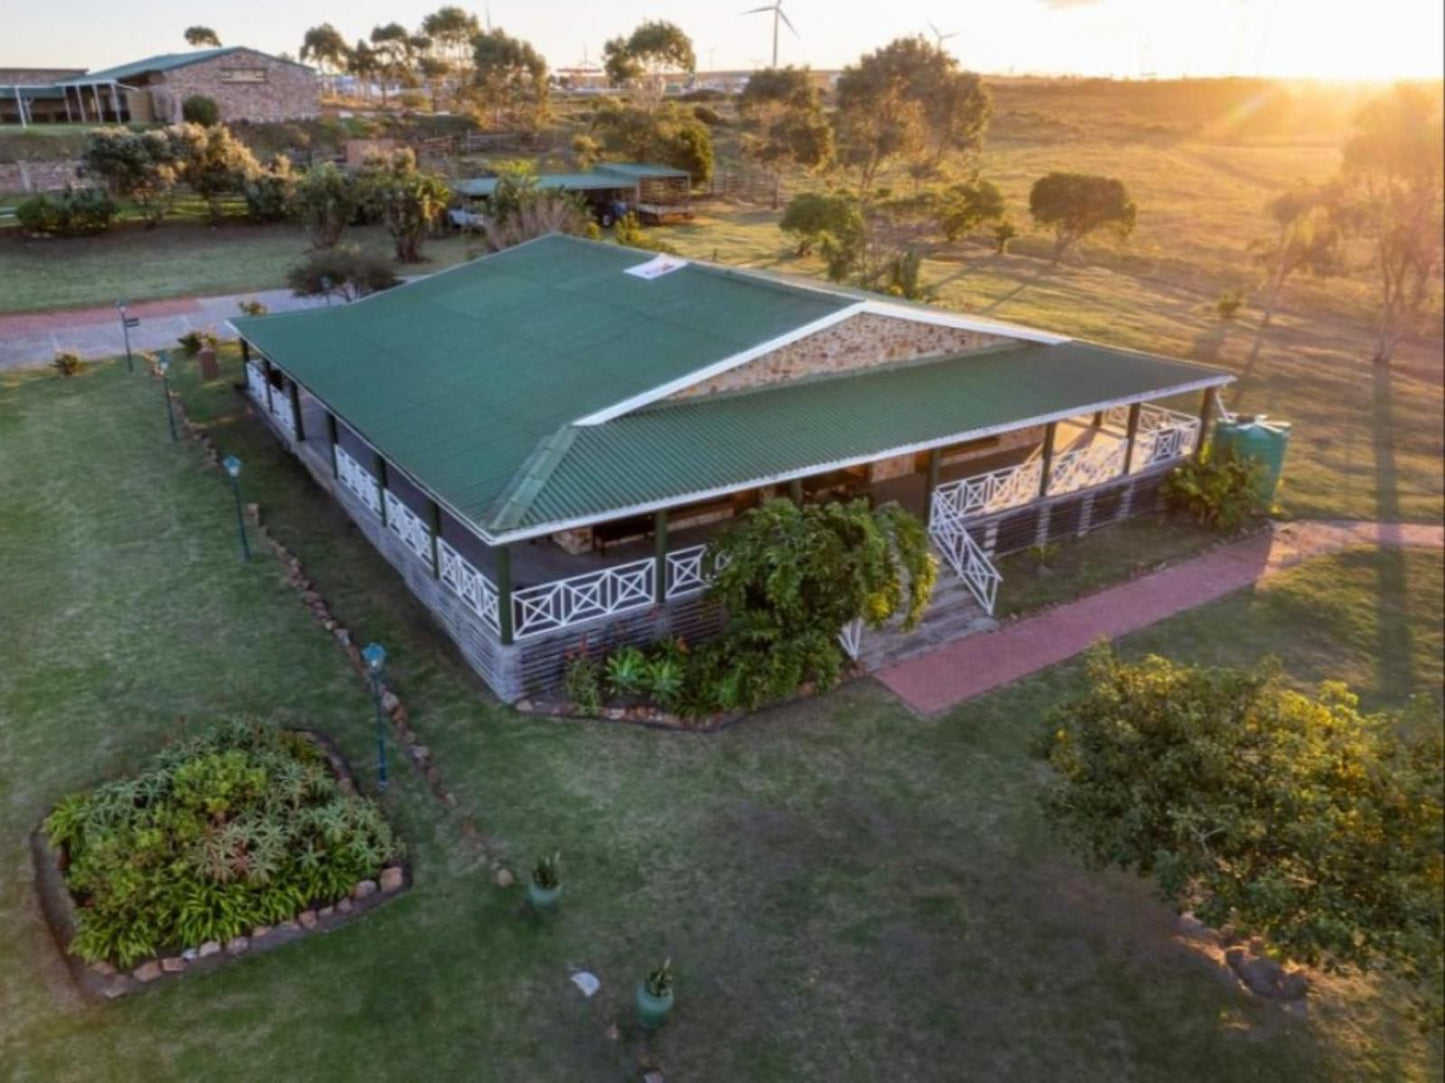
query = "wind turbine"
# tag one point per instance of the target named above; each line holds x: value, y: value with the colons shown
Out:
x: 940, y: 37
x: 776, y: 7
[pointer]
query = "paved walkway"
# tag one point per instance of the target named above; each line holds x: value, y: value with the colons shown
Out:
x: 30, y: 339
x: 968, y: 667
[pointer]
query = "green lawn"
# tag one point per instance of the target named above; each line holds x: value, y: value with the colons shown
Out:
x: 185, y: 257
x: 847, y: 891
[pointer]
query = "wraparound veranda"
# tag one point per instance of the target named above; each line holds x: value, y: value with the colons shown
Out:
x: 543, y: 441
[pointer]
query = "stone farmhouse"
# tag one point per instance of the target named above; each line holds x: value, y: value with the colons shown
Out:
x: 542, y: 441
x: 244, y: 83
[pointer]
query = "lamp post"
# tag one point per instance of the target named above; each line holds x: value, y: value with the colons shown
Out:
x: 163, y: 362
x: 126, y: 323
x: 233, y: 471
x: 374, y: 655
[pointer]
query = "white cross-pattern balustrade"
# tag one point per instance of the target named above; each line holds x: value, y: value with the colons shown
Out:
x: 356, y: 479
x: 409, y: 527
x: 1163, y: 434
x: 994, y: 491
x: 468, y: 584
x: 964, y: 555
x: 256, y: 381
x: 684, y: 572
x: 1087, y: 466
x: 548, y: 607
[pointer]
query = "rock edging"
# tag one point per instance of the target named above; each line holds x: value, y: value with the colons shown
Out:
x: 102, y: 981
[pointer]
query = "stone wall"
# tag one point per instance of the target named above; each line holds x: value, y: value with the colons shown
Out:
x: 36, y: 176
x: 858, y: 342
x: 285, y: 91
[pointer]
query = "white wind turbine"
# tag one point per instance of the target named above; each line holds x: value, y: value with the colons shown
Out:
x: 940, y: 37
x: 776, y: 7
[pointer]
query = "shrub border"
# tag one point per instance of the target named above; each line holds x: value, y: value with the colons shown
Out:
x: 101, y: 981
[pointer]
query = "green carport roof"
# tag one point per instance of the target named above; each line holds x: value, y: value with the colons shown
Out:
x: 466, y: 377
x: 692, y: 448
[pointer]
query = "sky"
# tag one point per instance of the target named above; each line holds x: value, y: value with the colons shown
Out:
x: 1333, y: 39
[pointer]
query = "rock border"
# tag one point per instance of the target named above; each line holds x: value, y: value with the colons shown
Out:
x: 102, y: 981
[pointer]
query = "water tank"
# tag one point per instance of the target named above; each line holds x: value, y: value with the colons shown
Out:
x: 1255, y: 436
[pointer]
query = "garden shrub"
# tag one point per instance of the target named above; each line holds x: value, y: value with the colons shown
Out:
x: 66, y: 363
x: 344, y: 270
x: 74, y: 212
x: 1219, y: 493
x: 582, y: 682
x: 199, y: 109
x: 244, y: 825
x: 269, y: 191
x: 193, y: 342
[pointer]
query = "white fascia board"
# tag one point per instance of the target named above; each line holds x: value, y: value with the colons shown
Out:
x: 839, y: 464
x: 717, y: 368
x: 942, y: 318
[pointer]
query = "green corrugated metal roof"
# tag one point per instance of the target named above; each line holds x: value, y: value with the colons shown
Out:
x: 673, y: 450
x: 578, y: 182
x: 457, y: 378
x: 638, y: 170
x: 167, y: 62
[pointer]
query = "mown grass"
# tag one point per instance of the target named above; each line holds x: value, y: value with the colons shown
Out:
x: 847, y: 891
x: 187, y: 257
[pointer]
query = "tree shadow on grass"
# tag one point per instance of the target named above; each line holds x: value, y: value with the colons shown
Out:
x: 1397, y: 676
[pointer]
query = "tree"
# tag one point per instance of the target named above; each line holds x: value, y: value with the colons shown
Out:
x: 1275, y: 814
x: 1077, y: 204
x: 833, y: 223
x: 791, y: 578
x: 510, y: 78
x: 325, y: 45
x: 395, y: 54
x: 451, y: 31
x: 197, y: 36
x: 966, y: 205
x: 655, y: 47
x: 344, y: 270
x: 326, y: 198
x: 270, y: 191
x: 668, y: 134
x: 908, y: 99
x: 213, y: 162
x: 410, y: 201
x: 1307, y: 237
x: 784, y: 117
x: 363, y: 62
x: 1392, y: 172
x: 139, y: 166
x: 520, y: 211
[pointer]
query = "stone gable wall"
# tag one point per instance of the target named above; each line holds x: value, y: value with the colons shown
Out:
x: 859, y: 342
x: 289, y: 92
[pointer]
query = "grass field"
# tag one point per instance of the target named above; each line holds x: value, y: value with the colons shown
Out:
x: 847, y: 891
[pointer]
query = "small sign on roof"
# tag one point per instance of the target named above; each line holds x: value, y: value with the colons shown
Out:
x: 657, y: 267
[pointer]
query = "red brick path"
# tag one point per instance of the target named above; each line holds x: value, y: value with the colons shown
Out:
x: 969, y: 667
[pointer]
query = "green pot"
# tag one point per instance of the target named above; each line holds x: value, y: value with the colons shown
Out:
x: 543, y: 898
x: 651, y: 1010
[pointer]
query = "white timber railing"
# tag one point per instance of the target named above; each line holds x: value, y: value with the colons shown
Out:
x: 964, y: 555
x: 468, y: 584
x: 408, y: 526
x: 1163, y: 435
x: 1086, y: 467
x: 994, y: 491
x: 256, y: 381
x: 684, y: 572
x: 351, y: 474
x: 550, y: 606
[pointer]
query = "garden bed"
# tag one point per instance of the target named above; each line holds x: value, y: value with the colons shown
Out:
x: 142, y: 838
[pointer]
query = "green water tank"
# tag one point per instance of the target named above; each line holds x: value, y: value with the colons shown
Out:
x: 1255, y: 436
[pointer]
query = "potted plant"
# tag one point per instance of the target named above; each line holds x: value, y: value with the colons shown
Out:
x: 545, y: 888
x: 654, y: 996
